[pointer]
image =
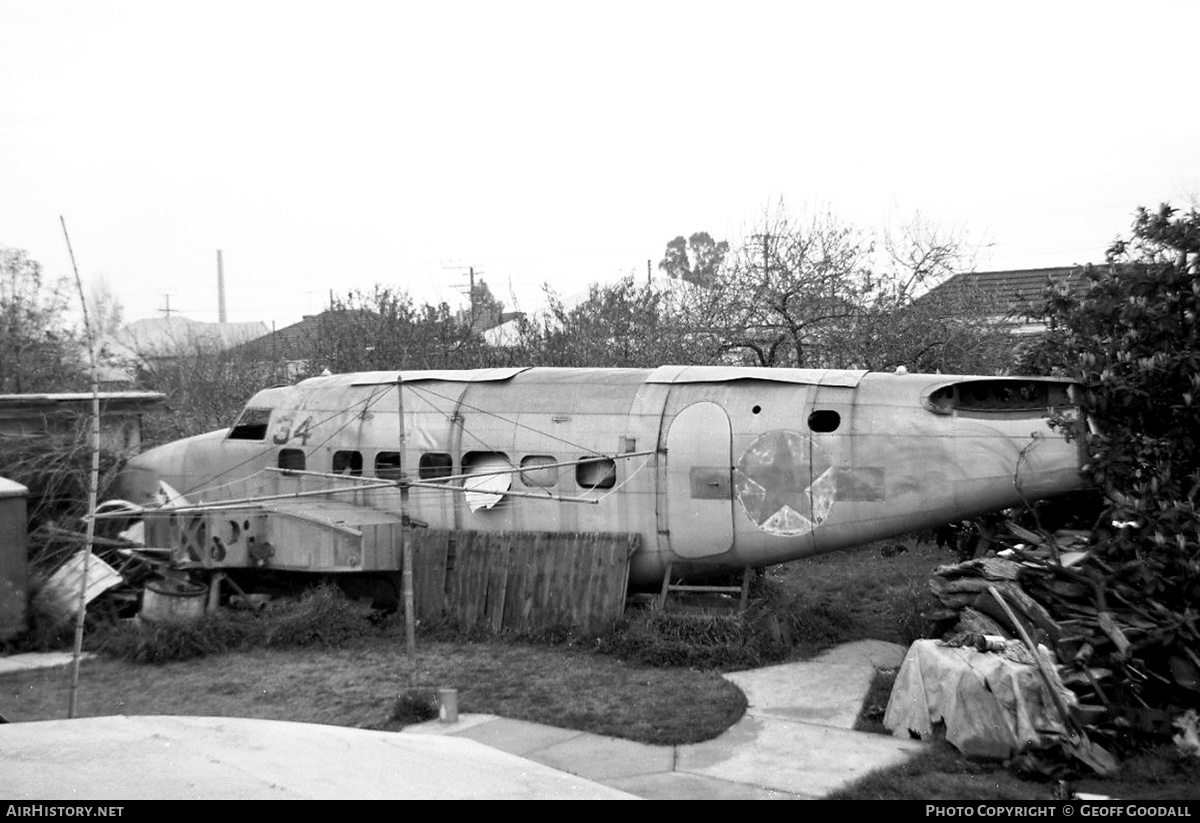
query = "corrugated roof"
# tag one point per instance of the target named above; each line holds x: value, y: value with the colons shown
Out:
x: 111, y: 401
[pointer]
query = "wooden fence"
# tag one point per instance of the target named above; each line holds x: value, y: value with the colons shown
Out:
x: 521, y: 580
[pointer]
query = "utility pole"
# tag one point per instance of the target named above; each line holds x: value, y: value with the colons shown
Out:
x: 470, y: 289
x: 167, y: 310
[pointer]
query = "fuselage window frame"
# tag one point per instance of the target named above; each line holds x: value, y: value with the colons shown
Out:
x: 387, y: 465
x: 535, y: 475
x: 435, y: 465
x: 291, y: 460
x: 596, y: 473
x: 347, y: 461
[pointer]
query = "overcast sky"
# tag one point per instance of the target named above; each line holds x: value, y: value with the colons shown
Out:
x: 337, y: 145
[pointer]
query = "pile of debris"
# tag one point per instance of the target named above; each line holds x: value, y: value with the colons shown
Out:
x: 1129, y: 659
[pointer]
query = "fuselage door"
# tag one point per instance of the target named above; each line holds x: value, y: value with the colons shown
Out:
x: 699, y: 496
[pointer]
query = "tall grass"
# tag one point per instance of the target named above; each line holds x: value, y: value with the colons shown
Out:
x: 321, y: 616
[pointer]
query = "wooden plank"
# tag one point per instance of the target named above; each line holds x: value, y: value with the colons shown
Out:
x: 591, y: 568
x: 517, y: 602
x: 478, y: 548
x: 499, y: 556
x: 429, y: 572
x: 464, y: 605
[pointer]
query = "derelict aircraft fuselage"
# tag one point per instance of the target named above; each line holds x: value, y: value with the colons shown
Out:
x: 716, y: 468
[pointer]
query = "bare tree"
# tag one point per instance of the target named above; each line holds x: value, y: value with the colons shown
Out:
x: 783, y: 296
x: 918, y: 316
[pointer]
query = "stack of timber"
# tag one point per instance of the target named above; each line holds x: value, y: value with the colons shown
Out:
x: 1131, y: 659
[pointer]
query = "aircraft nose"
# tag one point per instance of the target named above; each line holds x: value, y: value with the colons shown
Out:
x: 137, y: 481
x: 1049, y: 464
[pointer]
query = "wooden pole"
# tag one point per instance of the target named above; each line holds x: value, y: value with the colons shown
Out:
x: 93, y: 483
x: 406, y: 553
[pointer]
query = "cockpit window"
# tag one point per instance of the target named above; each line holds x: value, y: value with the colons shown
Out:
x: 990, y: 396
x: 252, y: 425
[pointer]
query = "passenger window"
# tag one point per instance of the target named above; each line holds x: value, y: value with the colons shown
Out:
x: 348, y: 462
x: 251, y: 425
x: 597, y: 473
x: 539, y: 471
x: 291, y: 459
x: 824, y: 421
x: 435, y: 465
x: 387, y: 465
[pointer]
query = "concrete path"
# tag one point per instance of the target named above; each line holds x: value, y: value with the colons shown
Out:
x: 795, y: 741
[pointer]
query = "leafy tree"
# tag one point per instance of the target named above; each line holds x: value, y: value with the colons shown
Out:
x: 617, y: 325
x: 384, y: 329
x: 1131, y: 338
x: 696, y: 260
x: 41, y: 351
x: 105, y: 311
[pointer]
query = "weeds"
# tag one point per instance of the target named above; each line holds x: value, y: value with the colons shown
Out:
x: 142, y: 641
x: 56, y: 469
x: 697, y: 641
x: 415, y: 705
x: 321, y: 616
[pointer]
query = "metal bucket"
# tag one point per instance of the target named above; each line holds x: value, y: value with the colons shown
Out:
x: 173, y: 601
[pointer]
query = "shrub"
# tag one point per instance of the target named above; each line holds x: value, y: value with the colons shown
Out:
x: 145, y: 642
x: 415, y: 705
x: 1131, y: 338
x: 322, y: 615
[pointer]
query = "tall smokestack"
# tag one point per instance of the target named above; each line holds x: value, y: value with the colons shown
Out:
x: 220, y: 288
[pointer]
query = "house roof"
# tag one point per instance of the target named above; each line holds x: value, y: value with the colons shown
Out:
x: 296, y: 340
x: 1009, y: 288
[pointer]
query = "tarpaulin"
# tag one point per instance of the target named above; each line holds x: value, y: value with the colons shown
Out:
x: 992, y: 704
